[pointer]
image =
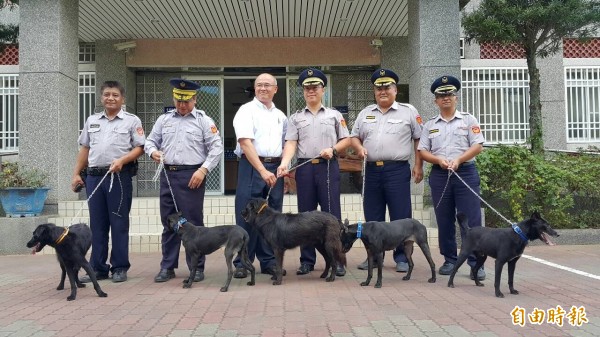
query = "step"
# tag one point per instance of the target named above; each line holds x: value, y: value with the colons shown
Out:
x: 146, y: 228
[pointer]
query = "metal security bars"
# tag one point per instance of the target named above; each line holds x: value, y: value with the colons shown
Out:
x: 87, y: 53
x: 9, y: 105
x: 499, y: 99
x: 582, y: 98
x: 87, y: 96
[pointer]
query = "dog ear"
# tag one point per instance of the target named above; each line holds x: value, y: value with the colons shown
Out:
x: 536, y: 215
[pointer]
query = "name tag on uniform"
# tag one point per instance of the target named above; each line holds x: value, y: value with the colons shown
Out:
x: 94, y: 126
x: 370, y: 119
x: 434, y: 133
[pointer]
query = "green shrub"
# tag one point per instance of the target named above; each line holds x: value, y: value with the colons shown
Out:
x: 14, y: 175
x: 516, y: 182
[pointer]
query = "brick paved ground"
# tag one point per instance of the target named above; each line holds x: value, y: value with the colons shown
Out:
x: 303, y: 305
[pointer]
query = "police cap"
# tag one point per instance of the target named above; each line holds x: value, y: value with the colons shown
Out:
x: 183, y: 90
x: 382, y: 77
x: 311, y: 76
x: 445, y: 85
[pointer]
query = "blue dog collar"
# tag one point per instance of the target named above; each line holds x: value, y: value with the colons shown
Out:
x: 518, y: 230
x: 359, y: 230
x: 179, y: 223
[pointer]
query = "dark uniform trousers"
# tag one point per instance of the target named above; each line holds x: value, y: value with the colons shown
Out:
x: 251, y: 185
x: 190, y: 203
x: 108, y: 213
x: 388, y: 185
x: 311, y: 180
x: 456, y: 198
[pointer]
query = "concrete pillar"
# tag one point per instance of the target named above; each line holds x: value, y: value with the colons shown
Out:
x: 48, y: 123
x: 554, y: 117
x: 111, y: 65
x: 433, y: 38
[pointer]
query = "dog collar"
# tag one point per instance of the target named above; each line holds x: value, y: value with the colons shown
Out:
x: 62, y: 236
x: 262, y: 208
x: 359, y: 230
x: 518, y: 230
x: 179, y: 223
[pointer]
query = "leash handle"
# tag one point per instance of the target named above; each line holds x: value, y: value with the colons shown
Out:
x: 359, y: 230
x: 88, y: 199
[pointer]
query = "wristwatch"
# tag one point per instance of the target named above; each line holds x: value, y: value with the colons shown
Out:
x: 335, y: 153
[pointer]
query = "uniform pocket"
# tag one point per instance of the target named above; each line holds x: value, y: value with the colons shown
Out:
x: 94, y: 135
x: 120, y: 137
x: 395, y: 125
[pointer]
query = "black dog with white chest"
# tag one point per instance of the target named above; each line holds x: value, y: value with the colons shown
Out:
x: 71, y: 245
x: 200, y: 240
x: 377, y: 237
x: 285, y: 231
x: 504, y: 244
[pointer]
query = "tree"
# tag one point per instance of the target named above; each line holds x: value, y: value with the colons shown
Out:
x: 538, y: 27
x: 9, y: 34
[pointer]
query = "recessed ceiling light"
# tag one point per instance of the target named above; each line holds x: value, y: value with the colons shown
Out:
x: 249, y: 20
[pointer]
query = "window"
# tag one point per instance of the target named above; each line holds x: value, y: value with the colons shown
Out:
x: 87, y: 96
x: 499, y: 99
x: 9, y: 105
x: 461, y: 47
x: 87, y: 53
x: 582, y: 100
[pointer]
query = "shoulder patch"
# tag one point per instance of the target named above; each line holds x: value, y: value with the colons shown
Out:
x: 140, y: 131
x: 213, y: 129
x: 419, y: 119
x: 475, y: 129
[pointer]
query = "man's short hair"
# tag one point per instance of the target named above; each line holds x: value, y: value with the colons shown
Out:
x: 113, y: 84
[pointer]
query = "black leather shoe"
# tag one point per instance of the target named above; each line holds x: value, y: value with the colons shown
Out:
x: 164, y: 275
x: 271, y: 271
x: 199, y: 276
x: 446, y: 268
x: 340, y: 271
x: 402, y: 267
x: 364, y: 265
x: 480, y: 274
x: 87, y: 279
x: 304, y: 269
x: 240, y: 273
x: 119, y: 275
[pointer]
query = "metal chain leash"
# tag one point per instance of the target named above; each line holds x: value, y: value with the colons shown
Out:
x: 94, y: 191
x: 159, y: 169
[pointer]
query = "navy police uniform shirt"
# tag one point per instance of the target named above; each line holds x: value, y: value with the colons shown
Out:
x: 450, y: 139
x: 110, y: 139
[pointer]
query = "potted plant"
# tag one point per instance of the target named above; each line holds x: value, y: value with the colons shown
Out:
x: 22, y: 190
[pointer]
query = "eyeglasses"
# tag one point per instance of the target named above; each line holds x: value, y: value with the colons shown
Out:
x: 264, y: 85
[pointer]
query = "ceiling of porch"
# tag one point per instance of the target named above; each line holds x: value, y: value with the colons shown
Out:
x: 147, y: 19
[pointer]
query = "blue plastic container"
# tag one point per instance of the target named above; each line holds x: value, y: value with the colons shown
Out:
x: 23, y: 202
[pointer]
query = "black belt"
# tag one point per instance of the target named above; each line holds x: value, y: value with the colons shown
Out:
x: 182, y: 167
x: 466, y: 164
x: 313, y: 161
x: 386, y: 162
x: 101, y: 170
x: 267, y: 159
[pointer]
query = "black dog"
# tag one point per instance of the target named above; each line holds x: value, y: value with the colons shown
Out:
x: 378, y: 237
x: 199, y: 240
x: 503, y: 244
x: 286, y: 231
x: 71, y: 245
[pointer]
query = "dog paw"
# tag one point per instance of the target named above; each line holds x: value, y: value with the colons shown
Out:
x: 479, y: 284
x: 250, y: 283
x: 223, y: 289
x: 61, y: 288
x: 187, y: 285
x: 364, y: 284
x: 324, y: 275
x: 499, y: 295
x: 273, y: 278
x: 80, y: 285
x: 377, y: 285
x: 431, y: 280
x: 406, y: 278
x: 102, y: 294
x: 450, y: 285
x: 330, y: 279
x: 514, y: 291
x: 70, y: 298
x: 276, y: 283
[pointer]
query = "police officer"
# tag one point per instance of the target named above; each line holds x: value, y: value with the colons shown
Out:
x: 190, y: 146
x: 110, y: 141
x: 315, y: 131
x: 259, y: 128
x: 452, y: 140
x: 385, y: 134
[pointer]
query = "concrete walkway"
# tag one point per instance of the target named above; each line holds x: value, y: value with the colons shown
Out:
x: 306, y: 305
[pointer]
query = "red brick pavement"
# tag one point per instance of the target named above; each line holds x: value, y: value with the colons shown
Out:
x: 303, y: 305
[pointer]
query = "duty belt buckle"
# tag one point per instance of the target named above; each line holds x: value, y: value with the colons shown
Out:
x: 172, y: 168
x: 315, y: 161
x: 269, y: 160
x: 379, y: 163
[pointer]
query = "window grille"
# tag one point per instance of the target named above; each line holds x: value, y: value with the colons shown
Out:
x: 9, y: 118
x: 582, y: 98
x: 87, y: 96
x: 87, y: 53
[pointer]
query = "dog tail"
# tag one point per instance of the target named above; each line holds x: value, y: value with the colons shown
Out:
x: 462, y: 220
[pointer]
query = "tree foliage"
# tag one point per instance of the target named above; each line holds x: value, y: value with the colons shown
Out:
x: 537, y: 26
x: 9, y: 34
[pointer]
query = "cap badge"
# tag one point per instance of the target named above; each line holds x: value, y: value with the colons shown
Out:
x: 382, y: 72
x: 310, y: 72
x: 182, y: 84
x: 444, y: 79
